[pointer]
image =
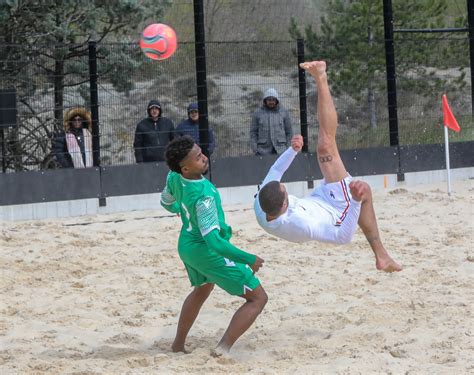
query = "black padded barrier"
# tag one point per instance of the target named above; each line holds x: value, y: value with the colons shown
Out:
x: 370, y: 161
x: 251, y: 170
x: 70, y: 184
x: 49, y: 186
x: 418, y: 158
x: 144, y: 178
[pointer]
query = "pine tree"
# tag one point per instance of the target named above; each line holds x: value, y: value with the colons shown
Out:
x: 351, y: 39
x: 49, y: 38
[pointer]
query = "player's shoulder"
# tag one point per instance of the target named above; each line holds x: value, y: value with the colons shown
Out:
x: 208, y: 192
x: 193, y: 189
x: 173, y: 178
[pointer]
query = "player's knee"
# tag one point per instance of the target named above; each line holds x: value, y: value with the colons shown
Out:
x: 262, y: 298
x: 366, y: 186
x: 360, y: 191
x: 263, y: 301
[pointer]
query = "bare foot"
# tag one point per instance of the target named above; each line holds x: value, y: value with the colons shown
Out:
x: 178, y: 348
x: 219, y: 351
x: 387, y: 265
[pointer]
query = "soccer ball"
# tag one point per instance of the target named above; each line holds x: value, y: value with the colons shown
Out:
x: 158, y: 41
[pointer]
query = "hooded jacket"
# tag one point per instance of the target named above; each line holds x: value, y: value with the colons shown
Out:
x: 73, y: 146
x: 151, y: 137
x: 191, y: 128
x: 270, y: 130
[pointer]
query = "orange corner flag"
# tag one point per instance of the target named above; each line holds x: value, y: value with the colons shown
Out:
x: 448, y: 118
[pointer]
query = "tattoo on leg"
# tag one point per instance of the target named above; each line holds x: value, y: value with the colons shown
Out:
x: 325, y: 158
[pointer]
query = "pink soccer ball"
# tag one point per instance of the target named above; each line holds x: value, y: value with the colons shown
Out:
x: 158, y: 41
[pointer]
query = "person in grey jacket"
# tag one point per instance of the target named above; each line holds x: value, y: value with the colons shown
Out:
x: 271, y: 130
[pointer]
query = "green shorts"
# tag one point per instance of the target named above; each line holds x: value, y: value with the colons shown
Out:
x: 205, y: 266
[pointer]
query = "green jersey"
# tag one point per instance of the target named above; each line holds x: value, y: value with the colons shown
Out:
x: 199, y: 205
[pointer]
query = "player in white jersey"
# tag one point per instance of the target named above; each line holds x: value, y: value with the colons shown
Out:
x: 333, y: 210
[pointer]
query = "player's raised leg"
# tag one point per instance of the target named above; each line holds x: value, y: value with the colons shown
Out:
x: 368, y: 223
x: 327, y: 152
x: 189, y: 312
x: 243, y: 318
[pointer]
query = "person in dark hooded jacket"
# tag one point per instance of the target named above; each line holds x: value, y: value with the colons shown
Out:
x: 152, y: 135
x: 271, y: 130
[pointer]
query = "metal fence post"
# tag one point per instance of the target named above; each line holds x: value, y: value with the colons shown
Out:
x: 470, y: 23
x: 391, y: 81
x: 94, y: 97
x: 302, y: 94
x: 201, y: 75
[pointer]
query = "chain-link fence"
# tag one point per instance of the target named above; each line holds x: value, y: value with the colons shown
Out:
x: 50, y: 80
x: 425, y: 77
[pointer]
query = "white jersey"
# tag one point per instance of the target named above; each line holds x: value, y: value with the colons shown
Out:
x: 328, y: 214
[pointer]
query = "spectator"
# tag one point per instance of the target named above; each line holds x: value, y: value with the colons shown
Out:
x: 152, y: 135
x: 271, y: 130
x: 73, y: 146
x: 190, y: 127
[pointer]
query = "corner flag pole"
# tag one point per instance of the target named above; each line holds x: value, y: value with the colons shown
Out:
x: 446, y: 147
x: 449, y: 121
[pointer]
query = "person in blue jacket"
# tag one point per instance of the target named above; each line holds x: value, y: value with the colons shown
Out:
x: 190, y: 127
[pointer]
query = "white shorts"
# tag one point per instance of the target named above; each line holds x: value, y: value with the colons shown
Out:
x: 337, y: 195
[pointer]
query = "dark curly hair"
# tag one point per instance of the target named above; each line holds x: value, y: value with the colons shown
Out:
x: 271, y: 198
x: 177, y: 150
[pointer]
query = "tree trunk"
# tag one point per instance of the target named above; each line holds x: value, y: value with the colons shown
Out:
x: 371, y: 100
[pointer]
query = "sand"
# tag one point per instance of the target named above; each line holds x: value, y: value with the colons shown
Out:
x: 102, y: 294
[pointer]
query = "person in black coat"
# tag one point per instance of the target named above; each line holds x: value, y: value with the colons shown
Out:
x: 152, y: 135
x: 72, y: 147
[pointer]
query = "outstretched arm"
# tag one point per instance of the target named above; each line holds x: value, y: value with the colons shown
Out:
x: 284, y: 161
x: 208, y: 223
x: 223, y: 247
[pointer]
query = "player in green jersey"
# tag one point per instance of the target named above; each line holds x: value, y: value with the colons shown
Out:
x: 204, y: 245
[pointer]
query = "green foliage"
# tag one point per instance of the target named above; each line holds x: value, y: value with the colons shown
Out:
x: 351, y: 40
x: 49, y: 38
x: 62, y: 29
